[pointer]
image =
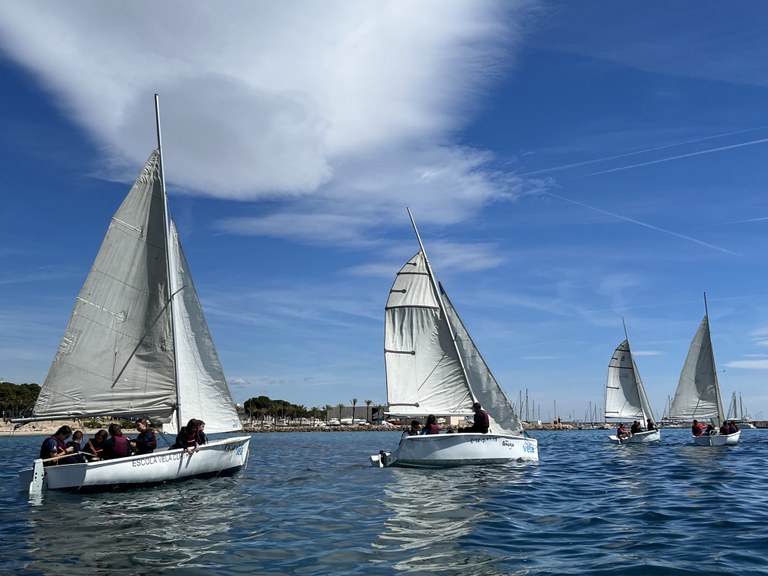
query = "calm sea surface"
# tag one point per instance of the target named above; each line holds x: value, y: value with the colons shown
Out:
x: 310, y: 503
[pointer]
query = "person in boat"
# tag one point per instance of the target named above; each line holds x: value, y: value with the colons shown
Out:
x: 201, y: 437
x: 622, y: 432
x: 146, y: 441
x: 482, y: 422
x: 710, y: 431
x: 413, y: 430
x: 649, y: 425
x: 431, y: 426
x: 635, y: 428
x: 724, y: 428
x: 732, y: 427
x: 55, y: 445
x: 77, y: 440
x: 94, y: 447
x: 696, y: 428
x: 187, y: 437
x: 117, y: 445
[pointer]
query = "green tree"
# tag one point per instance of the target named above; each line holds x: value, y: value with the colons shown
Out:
x: 368, y: 409
x: 354, y: 403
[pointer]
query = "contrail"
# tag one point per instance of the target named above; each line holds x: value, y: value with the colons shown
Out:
x: 650, y: 226
x: 635, y: 153
x: 678, y: 157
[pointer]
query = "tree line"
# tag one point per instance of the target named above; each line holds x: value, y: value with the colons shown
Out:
x: 17, y: 400
x: 264, y: 408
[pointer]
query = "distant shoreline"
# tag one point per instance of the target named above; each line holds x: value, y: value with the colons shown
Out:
x: 49, y: 428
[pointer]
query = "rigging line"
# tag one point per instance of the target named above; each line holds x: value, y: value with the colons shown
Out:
x: 141, y: 340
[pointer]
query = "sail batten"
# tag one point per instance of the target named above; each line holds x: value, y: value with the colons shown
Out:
x: 432, y: 364
x: 117, y: 356
x: 625, y: 396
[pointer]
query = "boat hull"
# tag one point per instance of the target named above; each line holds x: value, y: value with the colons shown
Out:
x: 217, y: 458
x: 718, y: 439
x: 447, y: 450
x: 639, y: 438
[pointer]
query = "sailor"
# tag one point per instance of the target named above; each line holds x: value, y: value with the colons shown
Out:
x: 55, y: 445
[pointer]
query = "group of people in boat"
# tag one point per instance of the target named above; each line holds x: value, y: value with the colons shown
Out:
x: 111, y: 443
x: 636, y: 428
x: 481, y: 424
x: 728, y: 427
x: 105, y: 444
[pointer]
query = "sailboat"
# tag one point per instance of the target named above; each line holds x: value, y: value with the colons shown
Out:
x: 434, y: 367
x: 137, y: 346
x: 625, y: 397
x: 698, y: 392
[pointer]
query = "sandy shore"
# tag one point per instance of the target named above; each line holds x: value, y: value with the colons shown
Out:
x: 45, y: 428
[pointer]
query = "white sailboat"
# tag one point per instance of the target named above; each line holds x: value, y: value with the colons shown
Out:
x: 434, y: 367
x: 698, y: 391
x: 625, y: 397
x: 137, y: 346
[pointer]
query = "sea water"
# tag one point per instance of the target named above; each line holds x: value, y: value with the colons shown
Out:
x: 310, y: 503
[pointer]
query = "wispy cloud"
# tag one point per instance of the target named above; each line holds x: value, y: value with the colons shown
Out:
x: 748, y: 364
x: 639, y: 223
x: 348, y: 104
x: 677, y: 157
x: 639, y: 152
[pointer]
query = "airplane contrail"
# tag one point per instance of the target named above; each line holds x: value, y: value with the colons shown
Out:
x: 678, y: 157
x: 636, y: 152
x: 639, y: 223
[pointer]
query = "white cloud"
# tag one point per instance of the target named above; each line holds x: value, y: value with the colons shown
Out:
x: 749, y: 364
x: 353, y: 104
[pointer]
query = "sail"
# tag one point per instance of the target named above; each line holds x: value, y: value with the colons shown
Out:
x: 622, y: 399
x: 424, y: 372
x: 697, y: 395
x: 116, y: 356
x: 482, y: 382
x: 202, y: 388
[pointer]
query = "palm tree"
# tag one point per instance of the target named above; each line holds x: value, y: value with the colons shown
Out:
x: 368, y: 409
x: 328, y: 408
x: 354, y: 403
x: 340, y: 406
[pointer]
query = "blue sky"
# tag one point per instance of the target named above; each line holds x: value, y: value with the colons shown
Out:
x: 568, y: 164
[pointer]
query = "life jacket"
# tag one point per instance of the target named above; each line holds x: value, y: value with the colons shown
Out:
x: 117, y: 447
x: 485, y: 421
x: 60, y: 447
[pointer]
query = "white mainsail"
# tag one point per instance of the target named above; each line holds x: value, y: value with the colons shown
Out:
x: 116, y: 356
x: 424, y: 372
x: 698, y: 393
x: 133, y: 347
x: 625, y: 396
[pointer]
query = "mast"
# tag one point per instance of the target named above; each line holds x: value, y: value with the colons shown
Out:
x: 442, y: 306
x: 166, y: 236
x: 720, y: 411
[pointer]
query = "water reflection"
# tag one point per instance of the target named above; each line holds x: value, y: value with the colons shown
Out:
x: 437, y: 518
x: 132, y: 531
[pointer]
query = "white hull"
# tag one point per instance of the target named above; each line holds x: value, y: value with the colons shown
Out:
x: 639, y: 438
x: 219, y: 457
x: 718, y: 439
x: 445, y: 450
